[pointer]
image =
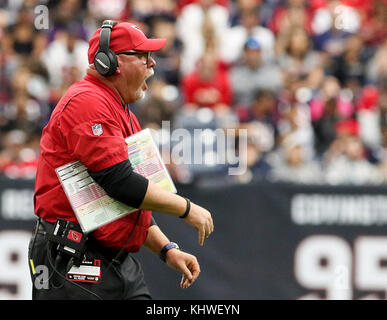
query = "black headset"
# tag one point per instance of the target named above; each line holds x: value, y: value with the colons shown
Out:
x: 105, y: 60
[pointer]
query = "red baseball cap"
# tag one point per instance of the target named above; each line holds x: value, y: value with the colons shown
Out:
x: 125, y: 36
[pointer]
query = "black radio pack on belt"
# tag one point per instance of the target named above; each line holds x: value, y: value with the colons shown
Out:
x: 69, y: 239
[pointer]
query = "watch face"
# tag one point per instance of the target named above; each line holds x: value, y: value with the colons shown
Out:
x: 171, y: 245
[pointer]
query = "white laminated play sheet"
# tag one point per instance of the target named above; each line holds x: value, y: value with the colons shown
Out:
x: 92, y: 206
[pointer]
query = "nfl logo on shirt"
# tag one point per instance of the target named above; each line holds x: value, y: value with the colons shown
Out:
x: 97, y: 129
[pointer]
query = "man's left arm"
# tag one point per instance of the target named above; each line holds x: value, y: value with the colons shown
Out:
x: 179, y: 260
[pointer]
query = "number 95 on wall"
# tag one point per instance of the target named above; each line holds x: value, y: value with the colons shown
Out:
x: 329, y: 268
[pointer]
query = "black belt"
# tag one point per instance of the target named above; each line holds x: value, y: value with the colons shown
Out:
x: 110, y: 254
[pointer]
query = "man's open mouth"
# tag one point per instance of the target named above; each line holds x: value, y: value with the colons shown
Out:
x: 145, y: 85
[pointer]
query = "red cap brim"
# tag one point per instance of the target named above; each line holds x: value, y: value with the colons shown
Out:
x: 151, y: 45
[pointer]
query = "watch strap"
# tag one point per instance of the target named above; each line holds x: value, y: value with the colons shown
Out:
x: 166, y: 248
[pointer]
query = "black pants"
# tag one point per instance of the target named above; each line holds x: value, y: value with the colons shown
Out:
x: 122, y: 280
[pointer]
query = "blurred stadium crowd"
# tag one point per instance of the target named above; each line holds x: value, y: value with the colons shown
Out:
x: 308, y: 79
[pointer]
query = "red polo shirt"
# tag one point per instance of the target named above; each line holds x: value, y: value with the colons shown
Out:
x: 219, y: 87
x: 68, y: 137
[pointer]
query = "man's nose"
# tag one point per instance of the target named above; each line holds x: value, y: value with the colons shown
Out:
x: 151, y: 62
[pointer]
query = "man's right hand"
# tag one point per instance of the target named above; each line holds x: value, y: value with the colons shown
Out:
x: 201, y: 220
x: 159, y: 200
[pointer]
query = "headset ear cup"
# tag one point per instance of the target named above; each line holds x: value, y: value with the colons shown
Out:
x: 113, y: 62
x: 106, y: 63
x: 105, y: 60
x: 102, y: 63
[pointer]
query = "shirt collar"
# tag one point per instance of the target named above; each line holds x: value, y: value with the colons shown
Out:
x: 99, y: 83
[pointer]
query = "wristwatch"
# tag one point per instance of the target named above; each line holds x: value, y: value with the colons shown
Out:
x: 164, y: 250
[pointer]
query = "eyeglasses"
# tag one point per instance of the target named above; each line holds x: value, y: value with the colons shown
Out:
x: 143, y: 55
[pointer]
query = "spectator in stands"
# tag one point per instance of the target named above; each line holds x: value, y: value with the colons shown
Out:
x: 160, y: 105
x: 335, y: 15
x: 169, y: 57
x: 261, y: 119
x: 65, y: 52
x: 294, y: 164
x: 345, y: 161
x: 253, y: 74
x: 329, y: 106
x: 351, y: 65
x: 300, y: 64
x: 377, y: 69
x: 23, y: 113
x: 27, y: 100
x: 368, y: 117
x: 289, y: 15
x: 332, y: 24
x: 257, y: 168
x: 198, y: 24
x: 8, y: 64
x: 18, y: 159
x: 146, y: 10
x: 21, y: 39
x: 383, y: 171
x: 381, y: 152
x: 209, y: 85
x: 374, y: 29
x: 110, y: 9
x: 65, y: 14
x: 383, y: 103
x: 263, y: 109
x: 294, y: 125
x: 235, y: 38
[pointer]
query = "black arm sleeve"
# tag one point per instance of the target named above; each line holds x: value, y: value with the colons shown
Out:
x: 122, y: 183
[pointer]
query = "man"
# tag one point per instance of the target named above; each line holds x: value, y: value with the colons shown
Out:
x: 253, y: 74
x: 232, y: 44
x: 90, y: 124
